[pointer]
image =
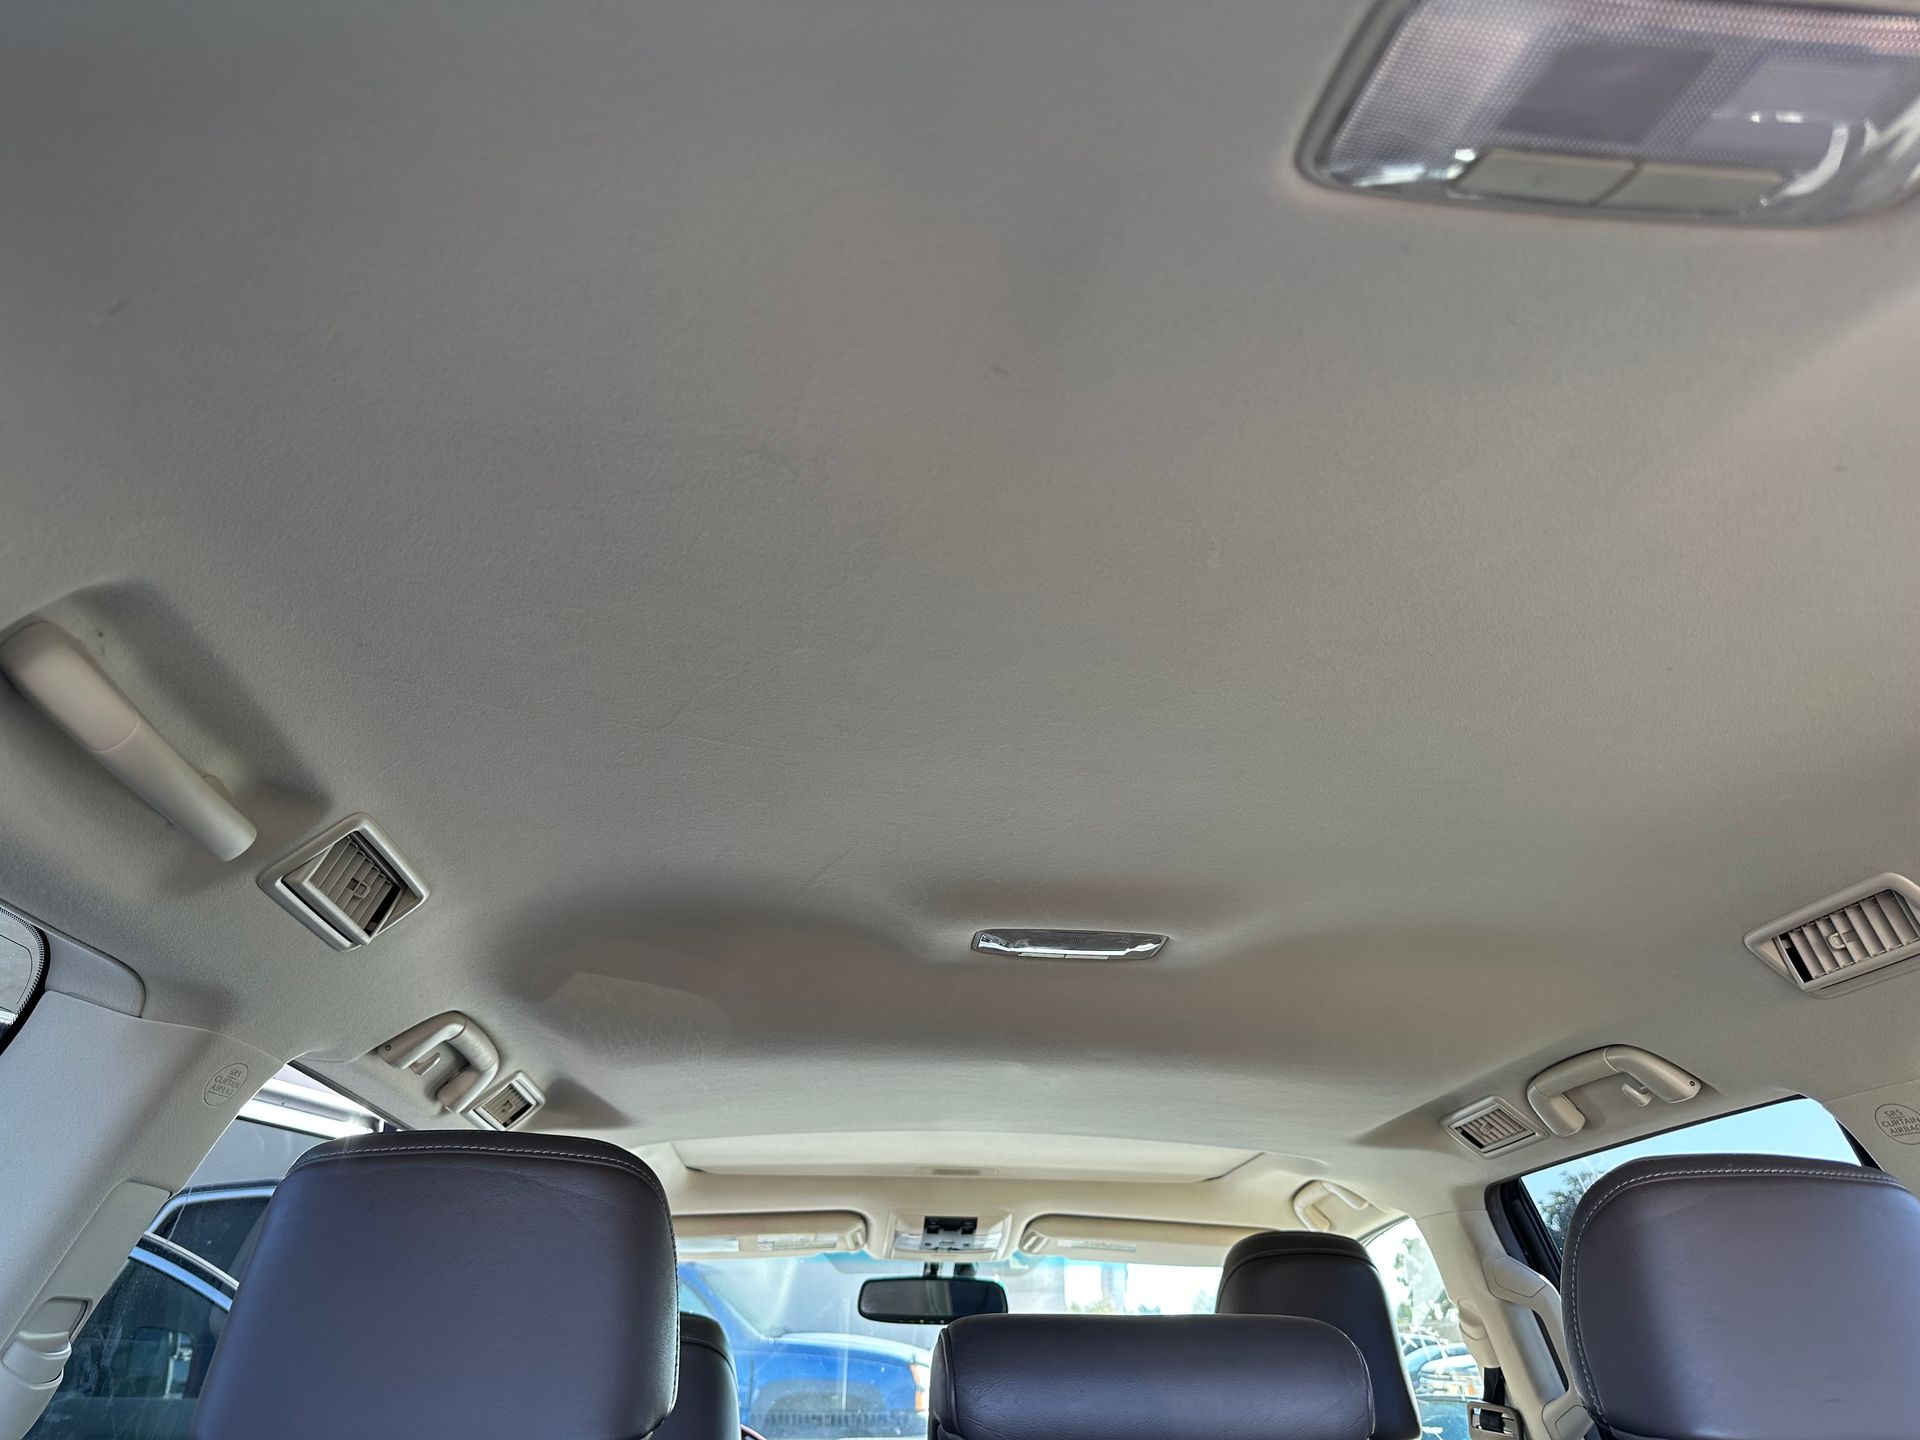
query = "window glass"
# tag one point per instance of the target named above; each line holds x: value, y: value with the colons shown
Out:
x: 139, y: 1361
x: 1443, y: 1375
x: 218, y: 1229
x: 1797, y: 1129
x: 811, y: 1368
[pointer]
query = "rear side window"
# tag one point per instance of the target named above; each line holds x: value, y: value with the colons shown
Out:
x: 1796, y: 1129
x: 138, y: 1364
x: 1443, y: 1375
x: 219, y: 1230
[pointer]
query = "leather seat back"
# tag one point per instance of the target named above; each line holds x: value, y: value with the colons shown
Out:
x: 1743, y: 1297
x: 490, y: 1286
x: 1147, y: 1377
x: 708, y: 1407
x: 1329, y: 1278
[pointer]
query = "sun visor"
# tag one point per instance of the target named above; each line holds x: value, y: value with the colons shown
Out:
x: 1143, y: 1242
x: 780, y: 1232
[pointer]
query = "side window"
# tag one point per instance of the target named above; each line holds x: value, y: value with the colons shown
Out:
x: 139, y: 1361
x: 1443, y: 1375
x: 1797, y: 1129
x: 219, y: 1229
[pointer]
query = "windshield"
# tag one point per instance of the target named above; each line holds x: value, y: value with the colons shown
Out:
x: 810, y: 1368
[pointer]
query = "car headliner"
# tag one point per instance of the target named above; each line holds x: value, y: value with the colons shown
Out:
x: 748, y: 492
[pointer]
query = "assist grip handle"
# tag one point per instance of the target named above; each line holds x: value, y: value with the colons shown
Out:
x: 1548, y: 1091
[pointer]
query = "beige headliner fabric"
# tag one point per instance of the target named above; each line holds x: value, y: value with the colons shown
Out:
x: 749, y: 491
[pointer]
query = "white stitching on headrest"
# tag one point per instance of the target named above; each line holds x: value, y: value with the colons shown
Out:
x: 1613, y: 1189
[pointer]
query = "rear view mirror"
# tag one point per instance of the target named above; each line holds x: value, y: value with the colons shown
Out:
x: 930, y: 1299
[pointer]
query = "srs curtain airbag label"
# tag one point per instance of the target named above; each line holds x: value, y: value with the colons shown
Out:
x: 1900, y: 1123
x: 224, y: 1086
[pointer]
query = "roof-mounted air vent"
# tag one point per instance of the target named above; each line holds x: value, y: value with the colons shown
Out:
x: 1864, y: 928
x: 347, y: 885
x: 512, y: 1105
x: 1490, y: 1127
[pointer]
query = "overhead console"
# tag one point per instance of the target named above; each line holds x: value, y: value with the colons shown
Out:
x: 949, y: 1237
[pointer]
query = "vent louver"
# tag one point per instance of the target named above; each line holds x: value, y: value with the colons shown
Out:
x: 1863, y: 931
x: 1866, y: 928
x: 351, y: 879
x: 1491, y: 1127
x: 347, y: 885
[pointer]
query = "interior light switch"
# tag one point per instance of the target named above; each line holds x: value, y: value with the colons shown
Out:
x: 1693, y: 189
x: 1554, y: 179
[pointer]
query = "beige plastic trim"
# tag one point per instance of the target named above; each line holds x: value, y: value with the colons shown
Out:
x: 1507, y: 1279
x: 1517, y: 1284
x: 1648, y: 1078
x: 1765, y: 942
x: 1143, y: 1242
x: 314, y: 910
x: 1567, y: 1417
x: 1462, y: 1242
x: 1311, y: 1199
x: 48, y: 666
x: 465, y: 1039
x: 86, y: 974
x: 105, y: 1115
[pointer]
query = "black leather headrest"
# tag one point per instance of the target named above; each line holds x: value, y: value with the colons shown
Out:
x: 703, y: 1333
x: 708, y: 1407
x: 1330, y: 1278
x: 1740, y: 1295
x: 1147, y: 1377
x: 488, y: 1286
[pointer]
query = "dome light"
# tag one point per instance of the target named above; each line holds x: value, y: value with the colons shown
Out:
x: 1776, y: 114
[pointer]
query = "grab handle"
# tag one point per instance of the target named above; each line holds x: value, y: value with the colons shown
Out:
x: 467, y: 1040
x: 48, y: 666
x: 1650, y: 1077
